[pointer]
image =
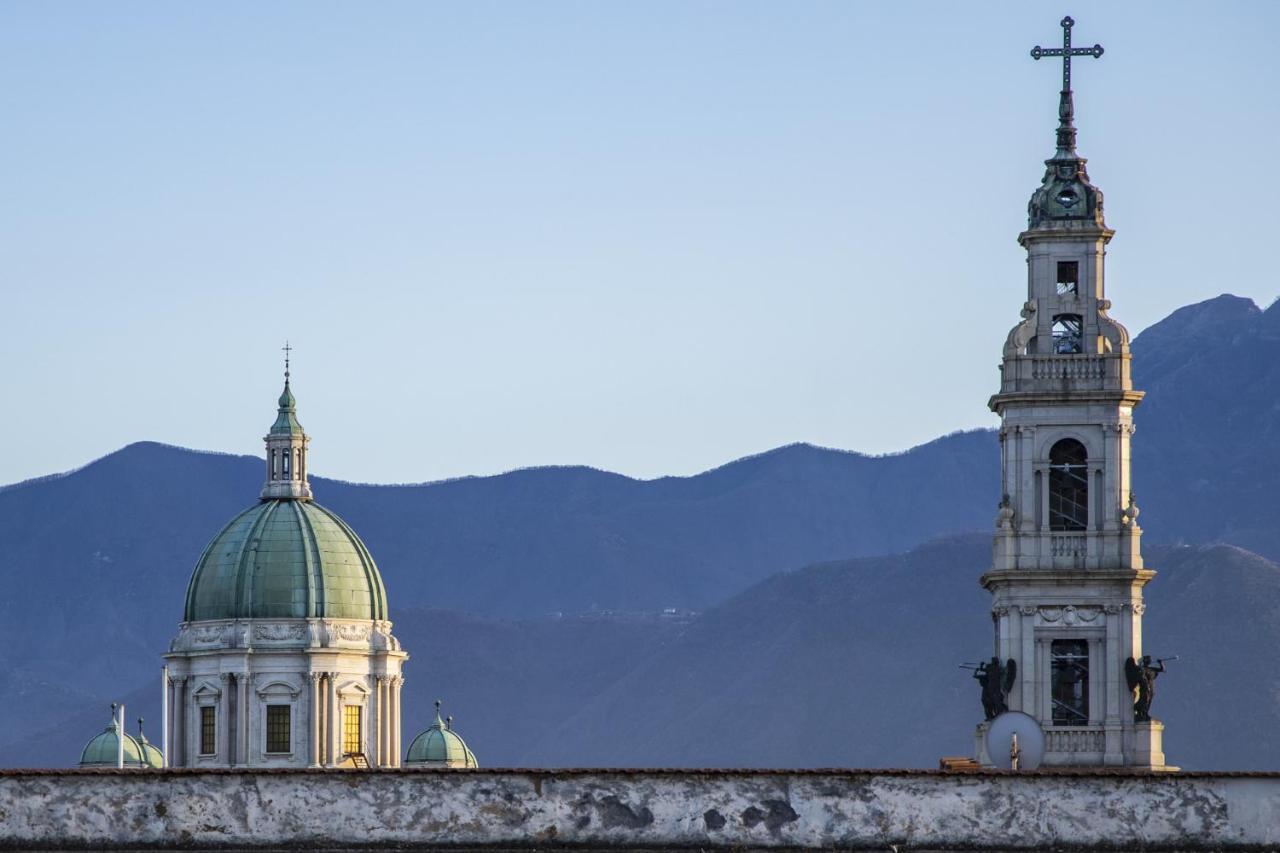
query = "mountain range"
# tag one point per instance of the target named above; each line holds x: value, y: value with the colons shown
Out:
x: 574, y: 616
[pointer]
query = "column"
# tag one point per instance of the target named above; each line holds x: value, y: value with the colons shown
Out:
x: 242, y: 718
x: 1026, y: 616
x: 384, y: 689
x: 396, y: 682
x: 171, y: 724
x: 376, y: 706
x: 224, y: 730
x: 314, y: 719
x: 334, y: 720
x: 178, y: 709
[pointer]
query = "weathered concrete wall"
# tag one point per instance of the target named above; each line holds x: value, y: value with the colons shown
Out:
x: 621, y: 809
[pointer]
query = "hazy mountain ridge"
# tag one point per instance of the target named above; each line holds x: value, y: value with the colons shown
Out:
x: 97, y: 560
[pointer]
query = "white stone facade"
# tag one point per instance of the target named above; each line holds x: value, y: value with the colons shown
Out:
x: 315, y: 668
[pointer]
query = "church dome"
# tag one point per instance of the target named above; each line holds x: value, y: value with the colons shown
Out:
x: 102, y: 750
x: 151, y: 755
x: 440, y: 746
x: 290, y: 559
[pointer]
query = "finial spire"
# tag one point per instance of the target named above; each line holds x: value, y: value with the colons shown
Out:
x: 1066, y: 104
x: 286, y: 447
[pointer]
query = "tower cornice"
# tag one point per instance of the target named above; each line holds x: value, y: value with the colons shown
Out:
x: 1054, y: 397
x: 996, y: 578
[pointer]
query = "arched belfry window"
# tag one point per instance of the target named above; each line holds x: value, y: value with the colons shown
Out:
x: 1068, y: 486
x: 1068, y: 334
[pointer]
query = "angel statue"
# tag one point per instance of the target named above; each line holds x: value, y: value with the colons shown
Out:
x: 996, y: 682
x: 1142, y: 678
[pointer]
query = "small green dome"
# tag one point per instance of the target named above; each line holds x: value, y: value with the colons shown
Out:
x: 287, y: 414
x: 440, y: 746
x: 151, y: 755
x: 286, y: 559
x: 104, y: 749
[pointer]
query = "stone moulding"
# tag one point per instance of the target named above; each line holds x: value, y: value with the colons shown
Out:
x: 315, y: 633
x: 639, y: 809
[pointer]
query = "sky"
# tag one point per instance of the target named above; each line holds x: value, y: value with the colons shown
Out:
x: 649, y: 237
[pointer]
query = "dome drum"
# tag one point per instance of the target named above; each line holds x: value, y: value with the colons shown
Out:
x: 262, y: 635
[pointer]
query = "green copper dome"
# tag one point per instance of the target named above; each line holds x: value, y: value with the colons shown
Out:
x: 103, y: 750
x: 151, y: 754
x: 286, y: 559
x: 440, y: 746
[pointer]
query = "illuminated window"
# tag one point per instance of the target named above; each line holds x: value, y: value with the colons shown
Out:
x: 1068, y: 486
x: 351, y: 739
x: 278, y: 739
x: 1069, y: 676
x: 1068, y: 277
x: 208, y: 730
x: 1067, y: 334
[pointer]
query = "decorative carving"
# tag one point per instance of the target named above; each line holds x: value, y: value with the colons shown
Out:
x: 206, y: 633
x: 1021, y: 334
x: 1139, y: 609
x: 1005, y: 515
x: 1027, y: 610
x: 1070, y: 614
x: 1113, y: 609
x: 1129, y: 515
x: 279, y: 632
x: 1115, y: 337
x: 224, y: 677
x: 996, y: 680
x: 352, y: 633
x: 997, y: 612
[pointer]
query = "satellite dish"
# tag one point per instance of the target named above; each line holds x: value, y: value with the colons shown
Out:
x: 1030, y: 740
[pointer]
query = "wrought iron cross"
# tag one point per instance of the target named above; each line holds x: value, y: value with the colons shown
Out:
x: 1066, y: 52
x: 286, y: 349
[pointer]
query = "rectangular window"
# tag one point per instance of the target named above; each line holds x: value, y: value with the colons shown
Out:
x: 278, y: 739
x: 352, y: 742
x: 208, y: 730
x: 1068, y: 277
x: 1069, y: 677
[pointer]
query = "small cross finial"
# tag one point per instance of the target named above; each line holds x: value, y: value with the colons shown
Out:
x: 1066, y: 106
x: 286, y: 349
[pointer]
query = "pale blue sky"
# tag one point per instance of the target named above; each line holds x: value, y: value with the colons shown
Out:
x: 648, y: 237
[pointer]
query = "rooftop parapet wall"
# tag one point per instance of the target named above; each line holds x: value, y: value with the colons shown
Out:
x: 630, y: 809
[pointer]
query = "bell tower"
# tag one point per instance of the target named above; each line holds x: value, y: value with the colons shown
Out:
x: 1067, y: 574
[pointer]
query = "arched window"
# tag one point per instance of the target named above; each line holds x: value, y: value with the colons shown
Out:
x: 1067, y: 334
x: 285, y: 455
x: 1068, y: 486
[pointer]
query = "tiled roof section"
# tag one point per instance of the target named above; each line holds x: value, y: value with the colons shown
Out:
x: 286, y: 559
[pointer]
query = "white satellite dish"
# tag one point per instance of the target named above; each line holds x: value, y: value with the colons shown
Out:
x: 1029, y: 736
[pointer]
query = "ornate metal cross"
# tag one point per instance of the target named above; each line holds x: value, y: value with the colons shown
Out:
x: 287, y: 349
x: 1066, y: 52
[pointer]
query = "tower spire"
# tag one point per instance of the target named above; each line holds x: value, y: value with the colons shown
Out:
x: 1065, y: 198
x: 1066, y: 103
